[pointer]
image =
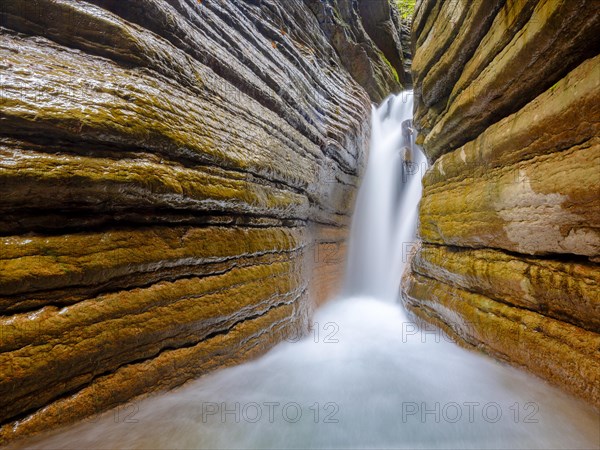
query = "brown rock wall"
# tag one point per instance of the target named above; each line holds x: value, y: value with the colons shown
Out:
x: 510, y: 216
x: 176, y: 181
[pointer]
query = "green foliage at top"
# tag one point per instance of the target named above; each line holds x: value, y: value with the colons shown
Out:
x: 406, y: 8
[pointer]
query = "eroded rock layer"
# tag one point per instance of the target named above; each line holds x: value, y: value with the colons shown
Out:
x: 176, y: 179
x: 508, y: 109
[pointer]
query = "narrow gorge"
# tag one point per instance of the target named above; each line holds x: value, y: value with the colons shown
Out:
x: 179, y: 180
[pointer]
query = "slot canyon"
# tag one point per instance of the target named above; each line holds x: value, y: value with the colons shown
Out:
x: 384, y: 213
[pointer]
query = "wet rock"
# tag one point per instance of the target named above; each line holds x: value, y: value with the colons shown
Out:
x: 562, y: 353
x: 435, y: 72
x: 558, y: 36
x: 382, y: 22
x: 533, y: 207
x: 170, y: 367
x: 344, y: 24
x: 508, y: 110
x: 176, y: 181
x: 567, y: 291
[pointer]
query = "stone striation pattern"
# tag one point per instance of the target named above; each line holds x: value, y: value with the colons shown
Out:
x: 508, y: 109
x: 176, y: 182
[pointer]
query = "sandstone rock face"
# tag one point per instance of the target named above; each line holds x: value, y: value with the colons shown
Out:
x: 176, y: 180
x: 508, y: 109
x: 382, y: 23
x: 367, y: 40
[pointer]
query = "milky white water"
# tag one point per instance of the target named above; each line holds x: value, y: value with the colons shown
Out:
x: 365, y: 377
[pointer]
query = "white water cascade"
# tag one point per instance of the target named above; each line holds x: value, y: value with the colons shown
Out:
x: 366, y: 377
x: 383, y: 227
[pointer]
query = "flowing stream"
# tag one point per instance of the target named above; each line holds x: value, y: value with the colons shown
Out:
x: 366, y: 377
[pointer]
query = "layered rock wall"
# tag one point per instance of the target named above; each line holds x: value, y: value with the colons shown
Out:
x: 173, y: 174
x: 508, y: 109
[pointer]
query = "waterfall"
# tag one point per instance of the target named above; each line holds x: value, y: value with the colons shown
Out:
x: 365, y: 377
x: 384, y: 223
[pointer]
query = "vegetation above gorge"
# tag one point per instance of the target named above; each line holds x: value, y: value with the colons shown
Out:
x: 406, y: 8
